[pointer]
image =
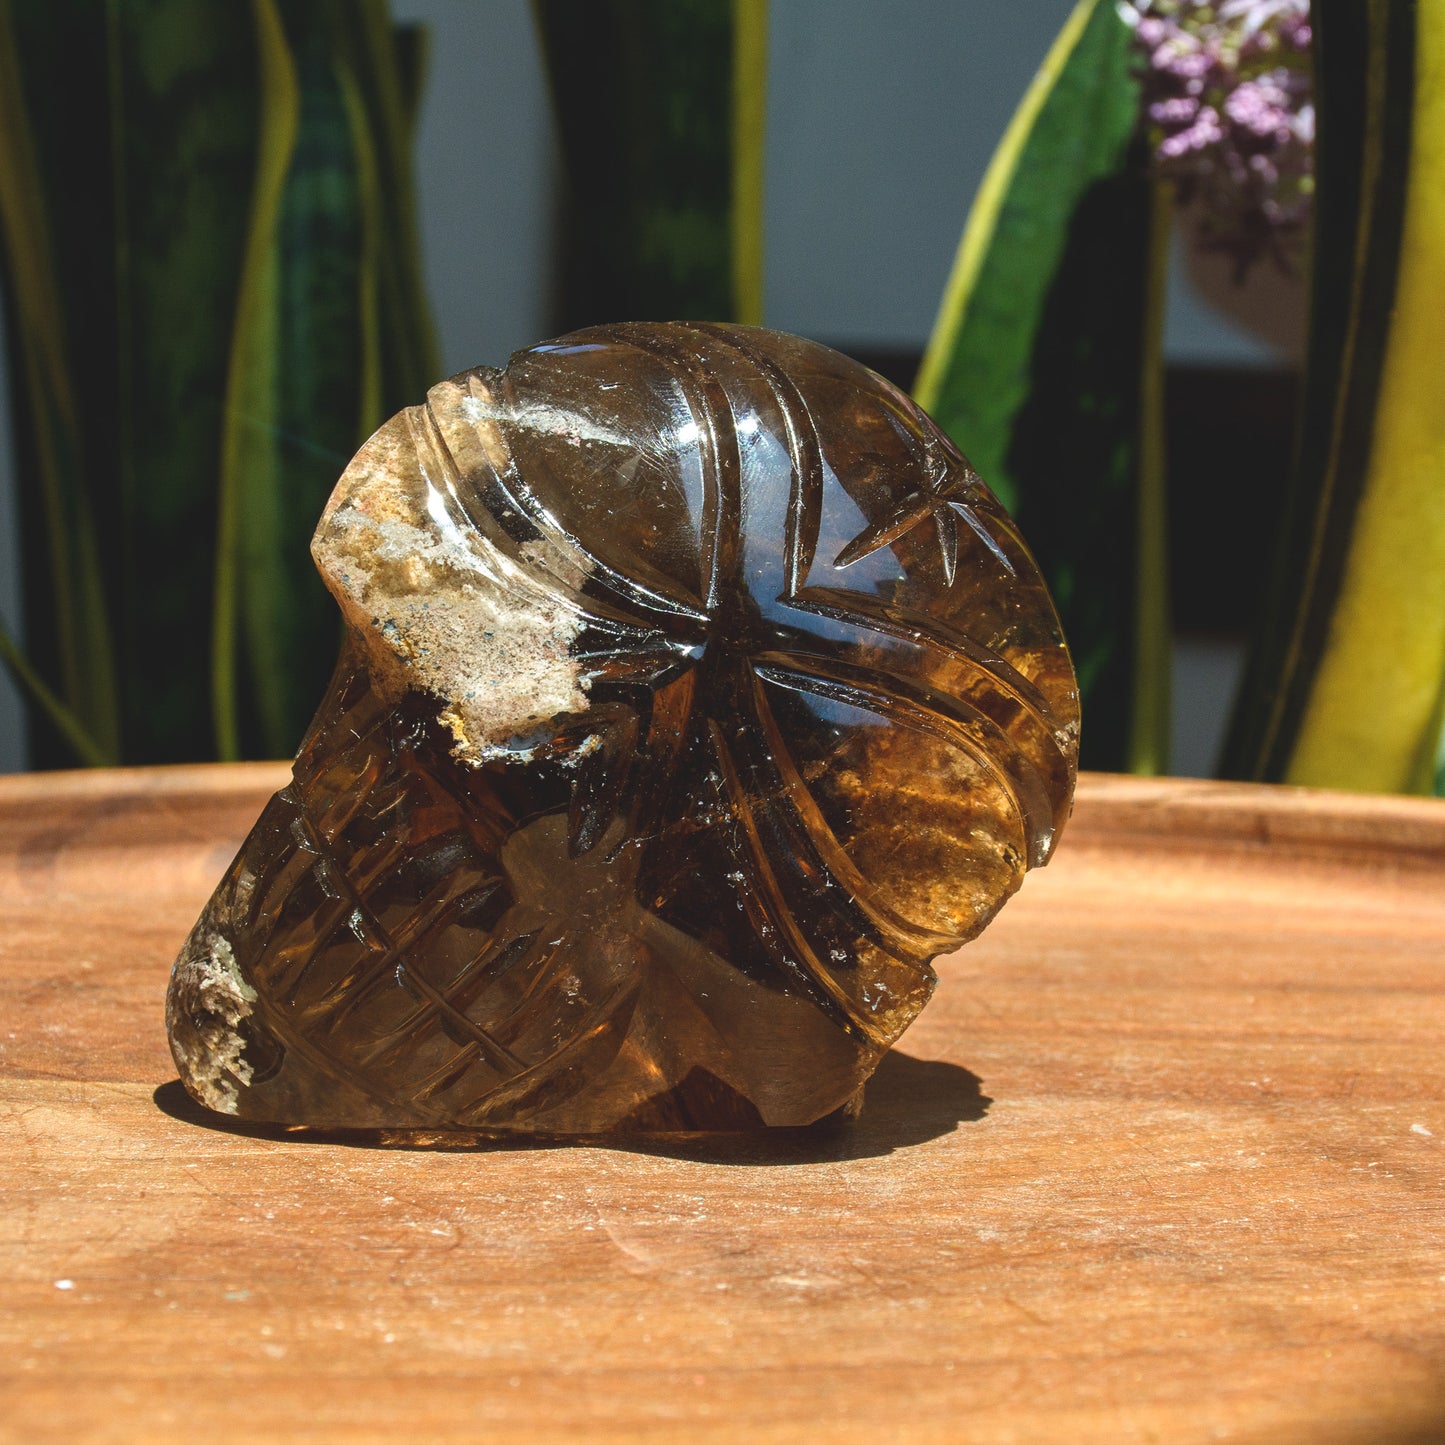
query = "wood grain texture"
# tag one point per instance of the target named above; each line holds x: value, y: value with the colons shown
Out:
x: 1163, y: 1160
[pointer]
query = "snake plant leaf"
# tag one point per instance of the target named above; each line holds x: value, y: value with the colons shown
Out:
x: 378, y: 64
x: 184, y: 129
x: 660, y: 106
x: 314, y: 372
x: 67, y: 726
x: 48, y: 171
x: 207, y: 213
x: 1044, y: 366
x: 1346, y: 685
x: 324, y: 370
x: 141, y: 119
x: 342, y: 335
x: 249, y: 523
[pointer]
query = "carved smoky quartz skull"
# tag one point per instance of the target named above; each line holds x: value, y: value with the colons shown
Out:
x: 696, y: 695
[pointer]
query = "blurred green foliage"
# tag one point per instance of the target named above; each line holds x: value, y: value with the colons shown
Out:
x: 208, y: 235
x: 211, y: 253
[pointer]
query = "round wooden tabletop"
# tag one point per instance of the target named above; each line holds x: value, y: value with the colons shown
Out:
x: 1164, y: 1159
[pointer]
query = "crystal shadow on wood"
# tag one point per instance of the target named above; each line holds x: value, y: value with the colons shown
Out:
x: 907, y: 1102
x: 696, y: 695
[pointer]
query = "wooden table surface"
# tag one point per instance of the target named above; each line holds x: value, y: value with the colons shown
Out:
x: 1163, y: 1160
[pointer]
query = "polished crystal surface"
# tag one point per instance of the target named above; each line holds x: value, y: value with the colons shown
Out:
x: 696, y: 694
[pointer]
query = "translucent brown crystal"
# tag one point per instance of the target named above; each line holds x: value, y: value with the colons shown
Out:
x: 696, y: 694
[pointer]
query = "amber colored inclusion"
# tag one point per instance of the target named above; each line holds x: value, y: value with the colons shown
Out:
x: 696, y: 695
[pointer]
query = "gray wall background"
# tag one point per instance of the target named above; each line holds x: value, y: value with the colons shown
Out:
x: 882, y: 117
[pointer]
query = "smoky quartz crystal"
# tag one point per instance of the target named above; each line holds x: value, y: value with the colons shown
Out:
x: 696, y: 694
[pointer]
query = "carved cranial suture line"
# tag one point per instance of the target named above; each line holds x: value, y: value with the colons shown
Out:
x: 696, y: 694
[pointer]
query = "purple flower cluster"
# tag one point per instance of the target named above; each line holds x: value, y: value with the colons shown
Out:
x: 1228, y: 95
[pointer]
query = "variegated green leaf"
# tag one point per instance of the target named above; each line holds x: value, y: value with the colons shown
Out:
x: 1044, y: 366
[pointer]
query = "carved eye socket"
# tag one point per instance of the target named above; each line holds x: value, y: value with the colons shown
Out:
x: 698, y: 694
